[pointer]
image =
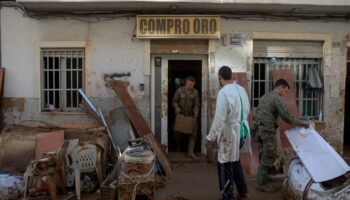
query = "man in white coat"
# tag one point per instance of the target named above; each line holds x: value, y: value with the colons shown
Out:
x: 225, y: 130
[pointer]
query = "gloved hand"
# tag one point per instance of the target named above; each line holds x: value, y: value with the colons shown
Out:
x: 210, y: 144
x: 305, y: 125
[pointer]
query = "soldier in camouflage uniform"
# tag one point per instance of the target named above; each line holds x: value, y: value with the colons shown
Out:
x: 271, y: 106
x: 186, y: 102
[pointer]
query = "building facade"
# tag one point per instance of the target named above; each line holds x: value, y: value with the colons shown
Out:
x: 51, y: 49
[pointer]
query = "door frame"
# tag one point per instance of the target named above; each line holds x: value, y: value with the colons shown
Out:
x: 164, y: 93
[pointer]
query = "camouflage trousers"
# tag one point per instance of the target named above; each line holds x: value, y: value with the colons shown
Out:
x: 269, y: 154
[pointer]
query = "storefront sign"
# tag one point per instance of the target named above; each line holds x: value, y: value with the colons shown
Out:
x: 177, y: 26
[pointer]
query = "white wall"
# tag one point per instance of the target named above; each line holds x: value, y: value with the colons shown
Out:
x: 110, y: 48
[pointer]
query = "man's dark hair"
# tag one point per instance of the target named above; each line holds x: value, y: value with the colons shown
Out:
x: 225, y: 72
x: 191, y: 78
x: 281, y: 82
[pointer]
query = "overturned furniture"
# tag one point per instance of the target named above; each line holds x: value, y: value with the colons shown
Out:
x: 47, y: 169
x: 82, y: 158
x: 319, y: 172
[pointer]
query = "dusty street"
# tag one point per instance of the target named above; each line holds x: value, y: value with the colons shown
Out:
x: 198, y: 181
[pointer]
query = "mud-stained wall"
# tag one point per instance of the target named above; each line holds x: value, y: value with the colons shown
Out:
x: 24, y: 110
x: 240, y: 59
x: 111, y: 48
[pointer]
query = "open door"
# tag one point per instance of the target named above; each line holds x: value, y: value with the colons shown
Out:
x: 168, y: 72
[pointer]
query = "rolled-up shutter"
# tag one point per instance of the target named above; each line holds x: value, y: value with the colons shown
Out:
x: 288, y: 49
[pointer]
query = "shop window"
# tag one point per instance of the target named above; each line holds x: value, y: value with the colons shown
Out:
x: 309, y: 99
x: 62, y: 75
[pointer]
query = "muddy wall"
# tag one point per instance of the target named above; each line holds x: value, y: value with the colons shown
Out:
x: 111, y: 48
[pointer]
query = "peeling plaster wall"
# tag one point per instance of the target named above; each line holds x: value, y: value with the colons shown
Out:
x: 110, y: 48
x: 240, y: 59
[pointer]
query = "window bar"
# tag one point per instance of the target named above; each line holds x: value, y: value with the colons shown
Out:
x: 48, y: 77
x: 259, y: 83
x: 46, y: 73
x: 77, y: 79
x: 71, y: 79
x: 59, y: 80
x: 53, y: 77
x: 82, y: 75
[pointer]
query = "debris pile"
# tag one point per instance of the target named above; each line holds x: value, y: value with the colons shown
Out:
x: 64, y: 162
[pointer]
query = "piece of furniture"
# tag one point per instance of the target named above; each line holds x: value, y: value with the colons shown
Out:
x: 48, y: 169
x: 83, y: 158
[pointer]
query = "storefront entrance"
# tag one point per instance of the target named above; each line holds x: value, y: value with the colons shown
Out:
x: 179, y: 70
x: 168, y: 73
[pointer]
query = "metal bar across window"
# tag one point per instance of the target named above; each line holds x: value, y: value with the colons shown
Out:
x: 309, y: 101
x: 62, y: 71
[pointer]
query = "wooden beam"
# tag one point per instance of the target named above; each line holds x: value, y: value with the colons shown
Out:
x: 241, y: 79
x: 139, y: 122
x: 289, y: 99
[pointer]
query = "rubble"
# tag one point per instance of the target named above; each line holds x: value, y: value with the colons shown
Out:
x: 318, y: 172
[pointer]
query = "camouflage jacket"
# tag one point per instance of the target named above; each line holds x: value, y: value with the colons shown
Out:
x: 186, y: 103
x: 271, y: 106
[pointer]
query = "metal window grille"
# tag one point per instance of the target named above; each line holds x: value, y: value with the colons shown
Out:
x: 309, y: 101
x: 62, y: 75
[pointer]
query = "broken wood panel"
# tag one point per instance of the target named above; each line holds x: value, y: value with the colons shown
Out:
x: 249, y: 162
x: 139, y: 122
x: 46, y: 142
x: 289, y: 99
x: 241, y: 79
x: 180, y: 46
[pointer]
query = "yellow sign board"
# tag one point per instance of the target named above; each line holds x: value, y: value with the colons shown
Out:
x: 178, y: 26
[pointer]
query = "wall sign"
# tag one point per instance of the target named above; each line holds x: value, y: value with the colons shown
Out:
x: 178, y: 26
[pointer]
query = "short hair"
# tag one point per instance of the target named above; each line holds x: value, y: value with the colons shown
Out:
x: 225, y: 72
x: 281, y: 82
x: 191, y: 78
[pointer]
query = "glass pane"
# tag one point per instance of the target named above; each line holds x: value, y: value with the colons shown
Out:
x: 68, y: 79
x: 74, y: 79
x: 68, y: 98
x: 256, y: 71
x: 262, y: 71
x: 75, y: 98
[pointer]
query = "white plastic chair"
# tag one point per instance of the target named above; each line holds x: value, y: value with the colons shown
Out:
x: 82, y: 158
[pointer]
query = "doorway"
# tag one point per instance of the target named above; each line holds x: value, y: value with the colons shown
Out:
x: 347, y: 109
x: 168, y: 70
x: 178, y: 71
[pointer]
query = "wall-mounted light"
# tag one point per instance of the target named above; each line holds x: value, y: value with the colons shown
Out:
x: 158, y: 61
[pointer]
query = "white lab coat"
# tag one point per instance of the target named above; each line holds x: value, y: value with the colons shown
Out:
x: 225, y: 128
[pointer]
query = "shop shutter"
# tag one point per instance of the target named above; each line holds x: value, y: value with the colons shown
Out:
x: 186, y: 46
x: 288, y: 49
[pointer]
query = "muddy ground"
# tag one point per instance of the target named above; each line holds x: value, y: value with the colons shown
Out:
x: 198, y: 181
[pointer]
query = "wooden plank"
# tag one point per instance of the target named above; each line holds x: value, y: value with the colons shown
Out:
x: 289, y: 99
x: 180, y: 46
x: 139, y: 122
x: 249, y: 162
x: 49, y: 141
x: 241, y: 79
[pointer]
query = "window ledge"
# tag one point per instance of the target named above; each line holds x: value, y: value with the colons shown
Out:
x: 62, y: 113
